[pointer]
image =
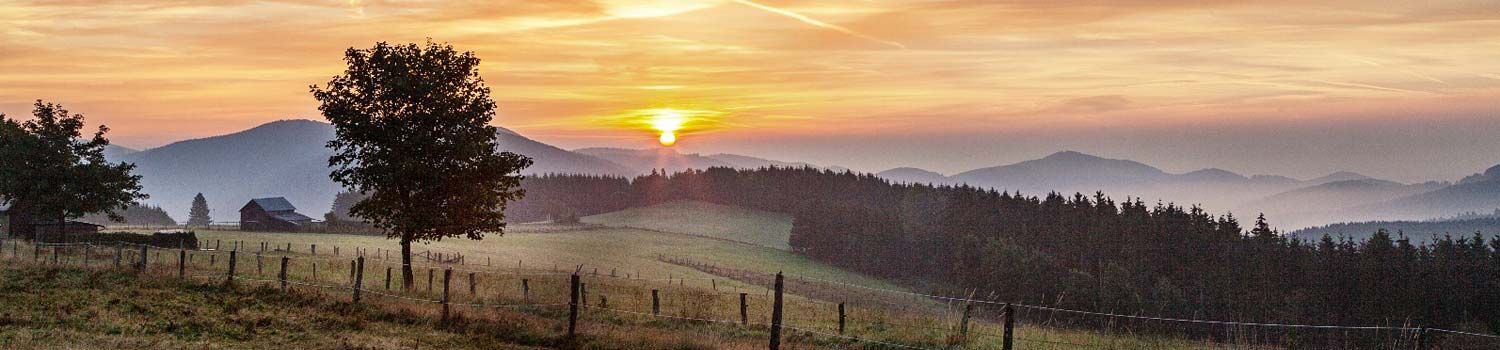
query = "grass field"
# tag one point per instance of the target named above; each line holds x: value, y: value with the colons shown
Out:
x: 758, y: 227
x: 622, y: 265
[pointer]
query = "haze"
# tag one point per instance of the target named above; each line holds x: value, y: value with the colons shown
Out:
x: 1399, y: 91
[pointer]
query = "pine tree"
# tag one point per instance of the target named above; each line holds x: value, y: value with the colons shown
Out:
x: 198, y: 215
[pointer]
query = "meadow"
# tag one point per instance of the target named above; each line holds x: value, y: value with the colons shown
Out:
x: 515, y: 284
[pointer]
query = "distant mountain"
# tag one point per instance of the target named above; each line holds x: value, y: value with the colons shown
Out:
x: 913, y: 175
x: 113, y: 152
x: 1338, y: 176
x: 1212, y: 175
x: 749, y: 162
x: 642, y: 161
x: 1415, y: 230
x: 1066, y: 171
x: 288, y: 159
x: 1304, y: 204
x: 1480, y: 193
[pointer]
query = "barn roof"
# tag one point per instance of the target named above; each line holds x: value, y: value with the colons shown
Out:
x: 291, y: 217
x: 273, y: 204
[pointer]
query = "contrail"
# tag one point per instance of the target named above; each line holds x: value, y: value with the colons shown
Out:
x: 1373, y: 87
x: 826, y: 25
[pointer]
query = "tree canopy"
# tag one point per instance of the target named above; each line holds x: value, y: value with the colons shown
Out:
x: 412, y: 131
x: 52, y: 172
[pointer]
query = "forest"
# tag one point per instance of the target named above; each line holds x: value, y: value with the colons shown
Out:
x: 1080, y: 251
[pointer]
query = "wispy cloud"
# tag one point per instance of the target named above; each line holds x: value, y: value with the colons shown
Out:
x: 821, y: 24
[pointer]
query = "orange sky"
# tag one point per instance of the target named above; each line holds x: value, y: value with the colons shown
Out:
x: 565, y: 72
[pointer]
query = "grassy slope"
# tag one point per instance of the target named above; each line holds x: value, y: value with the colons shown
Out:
x: 739, y: 224
x: 625, y: 250
x: 86, y: 309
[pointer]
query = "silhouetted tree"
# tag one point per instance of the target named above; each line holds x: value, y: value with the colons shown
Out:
x: 412, y: 131
x: 51, y: 172
x: 198, y: 213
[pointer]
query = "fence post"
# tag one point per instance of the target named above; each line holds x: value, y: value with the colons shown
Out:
x: 260, y: 266
x: 963, y: 326
x: 359, y: 278
x: 655, y: 304
x: 315, y: 249
x: 471, y: 285
x: 744, y: 311
x: 447, y: 275
x: 282, y: 275
x: 182, y: 263
x: 213, y: 260
x: 1422, y: 338
x: 315, y: 271
x: 429, y: 279
x: 119, y: 252
x: 776, y: 315
x: 388, y: 278
x: 573, y: 305
x: 525, y: 289
x: 144, y: 257
x: 216, y: 244
x: 1010, y: 326
x: 88, y: 249
x: 841, y: 318
x: 583, y: 294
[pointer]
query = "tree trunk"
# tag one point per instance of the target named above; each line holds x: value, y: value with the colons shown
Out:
x: 406, y: 275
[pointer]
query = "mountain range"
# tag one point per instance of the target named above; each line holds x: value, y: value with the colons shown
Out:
x: 288, y: 159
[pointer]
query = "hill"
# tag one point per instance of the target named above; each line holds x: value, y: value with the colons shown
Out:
x: 1416, y: 230
x: 1322, y: 202
x: 288, y: 159
x: 913, y: 175
x: 748, y: 162
x: 739, y: 224
x: 1479, y: 193
x: 1066, y: 172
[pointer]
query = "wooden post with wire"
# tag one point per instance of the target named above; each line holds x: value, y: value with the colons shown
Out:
x: 145, y: 258
x: 841, y: 318
x: 447, y: 276
x: 387, y: 278
x: 229, y: 280
x: 655, y: 303
x: 573, y: 306
x: 182, y: 263
x: 525, y: 289
x: 359, y: 278
x: 963, y: 325
x: 744, y: 310
x: 473, y: 289
x: 1010, y: 327
x: 776, y: 315
x: 282, y: 275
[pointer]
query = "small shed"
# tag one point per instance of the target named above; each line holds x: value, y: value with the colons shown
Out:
x: 272, y: 214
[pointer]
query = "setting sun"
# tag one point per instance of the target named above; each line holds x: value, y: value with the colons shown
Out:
x: 667, y: 121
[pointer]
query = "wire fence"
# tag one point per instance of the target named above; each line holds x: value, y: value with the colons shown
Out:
x: 903, y: 320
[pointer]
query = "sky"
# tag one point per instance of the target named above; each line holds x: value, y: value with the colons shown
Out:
x: 1401, y: 90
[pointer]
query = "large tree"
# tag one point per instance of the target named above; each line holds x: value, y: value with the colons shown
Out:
x: 198, y: 214
x: 52, y: 172
x: 412, y: 130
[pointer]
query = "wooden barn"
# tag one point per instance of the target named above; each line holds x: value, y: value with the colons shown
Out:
x: 272, y: 214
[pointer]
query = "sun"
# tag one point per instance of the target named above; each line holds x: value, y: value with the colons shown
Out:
x: 667, y: 121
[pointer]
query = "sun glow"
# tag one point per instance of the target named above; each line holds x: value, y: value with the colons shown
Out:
x: 667, y: 121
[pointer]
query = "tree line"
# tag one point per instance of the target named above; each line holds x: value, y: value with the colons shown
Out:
x: 1080, y: 251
